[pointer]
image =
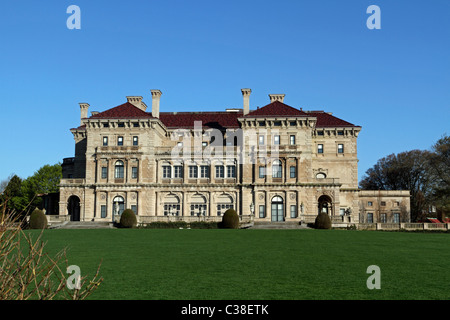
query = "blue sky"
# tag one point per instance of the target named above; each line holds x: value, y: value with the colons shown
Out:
x: 394, y: 82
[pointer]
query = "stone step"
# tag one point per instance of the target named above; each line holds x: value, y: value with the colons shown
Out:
x: 83, y: 225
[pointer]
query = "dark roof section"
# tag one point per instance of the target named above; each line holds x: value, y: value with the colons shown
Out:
x: 274, y: 109
x: 219, y: 120
x: 325, y: 120
x: 124, y: 111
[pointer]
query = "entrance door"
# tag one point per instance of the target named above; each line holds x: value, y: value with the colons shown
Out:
x: 277, y: 209
x: 73, y: 207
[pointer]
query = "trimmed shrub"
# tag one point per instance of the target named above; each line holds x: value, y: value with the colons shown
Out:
x: 203, y: 225
x: 230, y: 220
x: 165, y: 225
x: 38, y: 220
x: 128, y: 219
x: 323, y: 221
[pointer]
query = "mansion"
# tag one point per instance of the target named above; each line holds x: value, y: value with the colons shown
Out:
x: 275, y: 163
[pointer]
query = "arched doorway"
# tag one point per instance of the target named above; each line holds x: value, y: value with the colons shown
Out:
x: 325, y: 205
x: 73, y: 208
x: 277, y: 209
x: 118, y: 206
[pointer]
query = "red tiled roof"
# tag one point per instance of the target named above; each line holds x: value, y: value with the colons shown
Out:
x: 276, y: 108
x: 327, y: 120
x: 219, y: 119
x: 124, y: 111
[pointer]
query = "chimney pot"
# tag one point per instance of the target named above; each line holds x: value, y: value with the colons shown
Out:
x: 246, y: 95
x: 137, y: 102
x: 276, y: 97
x: 84, y: 107
x: 156, y: 96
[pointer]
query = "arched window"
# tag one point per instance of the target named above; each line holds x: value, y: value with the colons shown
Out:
x: 171, y: 205
x: 119, y: 170
x: 198, y: 205
x: 224, y: 202
x: 277, y: 169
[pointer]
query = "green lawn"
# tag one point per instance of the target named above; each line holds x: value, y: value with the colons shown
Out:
x: 258, y: 264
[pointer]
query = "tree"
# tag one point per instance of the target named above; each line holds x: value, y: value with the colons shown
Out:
x: 22, y: 194
x: 439, y: 171
x: 407, y: 170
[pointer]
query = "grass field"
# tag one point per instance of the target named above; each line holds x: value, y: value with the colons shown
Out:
x: 258, y: 264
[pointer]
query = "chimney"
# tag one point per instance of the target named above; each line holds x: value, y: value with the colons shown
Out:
x: 84, y: 107
x: 246, y: 96
x: 156, y: 96
x: 137, y: 102
x: 276, y: 97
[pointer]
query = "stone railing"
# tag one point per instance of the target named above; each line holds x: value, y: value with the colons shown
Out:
x: 150, y: 219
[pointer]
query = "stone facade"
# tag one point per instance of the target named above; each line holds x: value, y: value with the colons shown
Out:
x: 275, y: 163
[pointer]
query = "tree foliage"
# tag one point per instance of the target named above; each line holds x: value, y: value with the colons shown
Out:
x: 425, y: 173
x: 22, y: 195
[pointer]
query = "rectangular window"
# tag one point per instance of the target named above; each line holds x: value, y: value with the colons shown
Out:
x: 167, y: 172
x: 262, y: 211
x: 231, y: 171
x: 276, y: 140
x: 396, y: 217
x: 276, y: 170
x: 104, y: 172
x: 136, y: 124
x: 340, y: 148
x: 134, y: 208
x: 105, y: 141
x: 204, y: 172
x: 121, y: 125
x: 134, y: 172
x: 221, y: 208
x: 320, y: 133
x: 204, y: 144
x: 261, y: 140
x: 178, y: 172
x: 369, y: 203
x: 340, y: 133
x: 135, y: 141
x: 220, y: 172
x: 292, y: 172
x: 383, y: 218
x: 277, y: 123
x: 342, y: 211
x: 293, y: 211
x: 120, y: 141
x: 103, y: 211
x: 198, y: 210
x: 370, y: 218
x: 193, y: 172
x: 262, y: 172
x: 320, y: 148
x: 292, y: 123
x: 383, y: 203
x: 171, y: 209
x: 292, y: 140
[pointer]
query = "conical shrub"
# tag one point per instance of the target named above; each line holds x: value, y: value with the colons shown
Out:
x: 323, y: 221
x: 230, y: 220
x: 38, y: 220
x: 128, y: 219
